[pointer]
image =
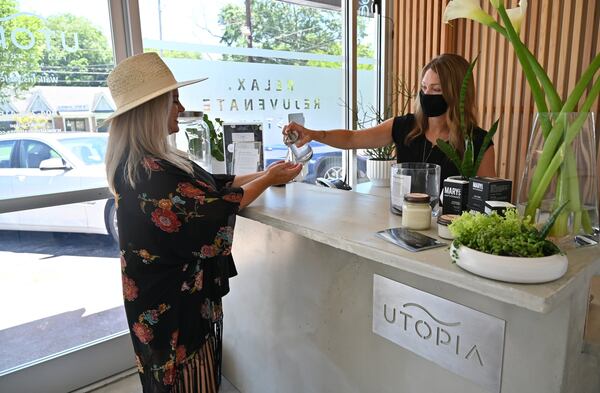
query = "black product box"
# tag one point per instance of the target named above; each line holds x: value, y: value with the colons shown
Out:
x: 483, y: 189
x: 456, y: 192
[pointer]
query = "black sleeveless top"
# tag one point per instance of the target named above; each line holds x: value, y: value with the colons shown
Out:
x: 421, y: 150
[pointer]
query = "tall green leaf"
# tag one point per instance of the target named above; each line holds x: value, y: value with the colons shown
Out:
x: 449, y: 151
x: 463, y: 95
x: 468, y: 158
x: 548, y: 225
x: 484, y: 145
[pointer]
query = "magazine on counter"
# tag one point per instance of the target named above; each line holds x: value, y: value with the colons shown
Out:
x: 410, y: 240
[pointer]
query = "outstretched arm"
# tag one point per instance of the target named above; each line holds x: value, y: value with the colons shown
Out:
x: 377, y: 136
x: 278, y: 173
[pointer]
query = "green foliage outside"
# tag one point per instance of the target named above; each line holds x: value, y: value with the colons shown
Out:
x: 87, y: 66
x: 16, y: 63
x: 175, y: 54
x: 287, y: 27
x: 23, y: 69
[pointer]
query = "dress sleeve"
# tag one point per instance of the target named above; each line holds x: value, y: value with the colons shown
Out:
x: 223, y: 181
x: 189, y: 217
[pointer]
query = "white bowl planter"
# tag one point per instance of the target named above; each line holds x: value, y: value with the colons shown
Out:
x: 510, y: 269
x: 379, y: 172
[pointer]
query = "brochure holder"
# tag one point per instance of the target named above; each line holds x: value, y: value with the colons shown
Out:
x: 242, y: 132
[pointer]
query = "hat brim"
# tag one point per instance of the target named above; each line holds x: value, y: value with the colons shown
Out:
x: 140, y: 101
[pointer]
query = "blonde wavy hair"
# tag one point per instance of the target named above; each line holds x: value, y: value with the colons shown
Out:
x: 138, y: 133
x: 451, y: 69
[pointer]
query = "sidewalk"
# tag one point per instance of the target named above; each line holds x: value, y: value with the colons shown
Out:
x: 54, y: 300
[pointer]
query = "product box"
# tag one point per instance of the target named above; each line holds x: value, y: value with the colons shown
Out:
x: 483, y: 189
x: 498, y: 207
x: 456, y: 192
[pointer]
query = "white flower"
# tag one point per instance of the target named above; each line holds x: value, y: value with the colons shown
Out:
x: 517, y: 15
x: 470, y: 9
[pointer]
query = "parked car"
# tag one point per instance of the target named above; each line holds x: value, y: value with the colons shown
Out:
x: 326, y: 162
x: 51, y: 162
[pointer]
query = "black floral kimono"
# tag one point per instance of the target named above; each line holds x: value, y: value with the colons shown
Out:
x: 175, y: 236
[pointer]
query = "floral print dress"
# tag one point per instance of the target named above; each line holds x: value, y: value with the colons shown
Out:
x: 175, y: 236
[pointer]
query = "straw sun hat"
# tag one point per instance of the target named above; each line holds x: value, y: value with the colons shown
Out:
x: 140, y: 78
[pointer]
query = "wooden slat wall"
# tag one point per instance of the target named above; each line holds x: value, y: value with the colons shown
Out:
x: 420, y: 35
x: 563, y: 34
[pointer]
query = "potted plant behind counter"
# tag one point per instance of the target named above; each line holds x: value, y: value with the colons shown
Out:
x: 506, y: 248
x: 380, y: 159
x: 379, y: 162
x: 466, y: 162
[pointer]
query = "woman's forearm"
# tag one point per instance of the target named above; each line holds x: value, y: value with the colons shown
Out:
x: 377, y: 136
x: 253, y: 189
x: 240, y: 180
x: 342, y: 139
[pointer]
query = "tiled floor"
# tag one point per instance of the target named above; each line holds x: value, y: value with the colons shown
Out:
x: 129, y: 382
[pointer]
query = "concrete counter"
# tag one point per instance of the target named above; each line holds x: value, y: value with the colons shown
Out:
x: 299, y: 317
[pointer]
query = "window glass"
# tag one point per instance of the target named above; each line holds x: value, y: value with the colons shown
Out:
x: 6, y: 148
x: 59, y: 265
x: 33, y: 153
x: 89, y: 150
x: 367, y: 112
x: 263, y: 62
x: 76, y: 125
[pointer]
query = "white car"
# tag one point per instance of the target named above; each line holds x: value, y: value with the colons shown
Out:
x: 51, y: 162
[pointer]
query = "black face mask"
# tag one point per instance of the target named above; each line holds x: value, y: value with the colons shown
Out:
x: 433, y: 105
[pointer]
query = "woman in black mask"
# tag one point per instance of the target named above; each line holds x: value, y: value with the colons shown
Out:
x: 436, y: 116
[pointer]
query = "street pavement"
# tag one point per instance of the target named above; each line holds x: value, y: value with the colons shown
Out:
x: 57, y: 291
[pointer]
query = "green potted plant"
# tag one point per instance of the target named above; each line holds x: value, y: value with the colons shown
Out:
x: 468, y: 164
x: 217, y: 149
x: 506, y: 247
x: 205, y: 142
x: 380, y: 159
x: 379, y: 162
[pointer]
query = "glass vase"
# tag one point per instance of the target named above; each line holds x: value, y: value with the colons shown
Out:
x: 561, y: 169
x: 198, y: 138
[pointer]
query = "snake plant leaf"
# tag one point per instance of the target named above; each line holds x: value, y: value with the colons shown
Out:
x: 467, y: 168
x: 463, y: 94
x: 449, y: 151
x: 484, y: 145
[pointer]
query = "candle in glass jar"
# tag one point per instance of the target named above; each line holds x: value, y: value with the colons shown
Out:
x: 416, y: 211
x: 443, y: 221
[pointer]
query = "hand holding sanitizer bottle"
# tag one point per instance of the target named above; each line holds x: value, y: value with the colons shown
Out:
x: 296, y: 154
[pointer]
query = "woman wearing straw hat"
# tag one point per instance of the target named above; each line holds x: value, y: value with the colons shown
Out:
x: 175, y: 225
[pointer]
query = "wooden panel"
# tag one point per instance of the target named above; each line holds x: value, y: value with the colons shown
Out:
x: 562, y: 34
x: 420, y: 35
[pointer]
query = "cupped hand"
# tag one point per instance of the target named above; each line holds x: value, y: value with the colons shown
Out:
x: 282, y: 172
x: 304, y: 134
